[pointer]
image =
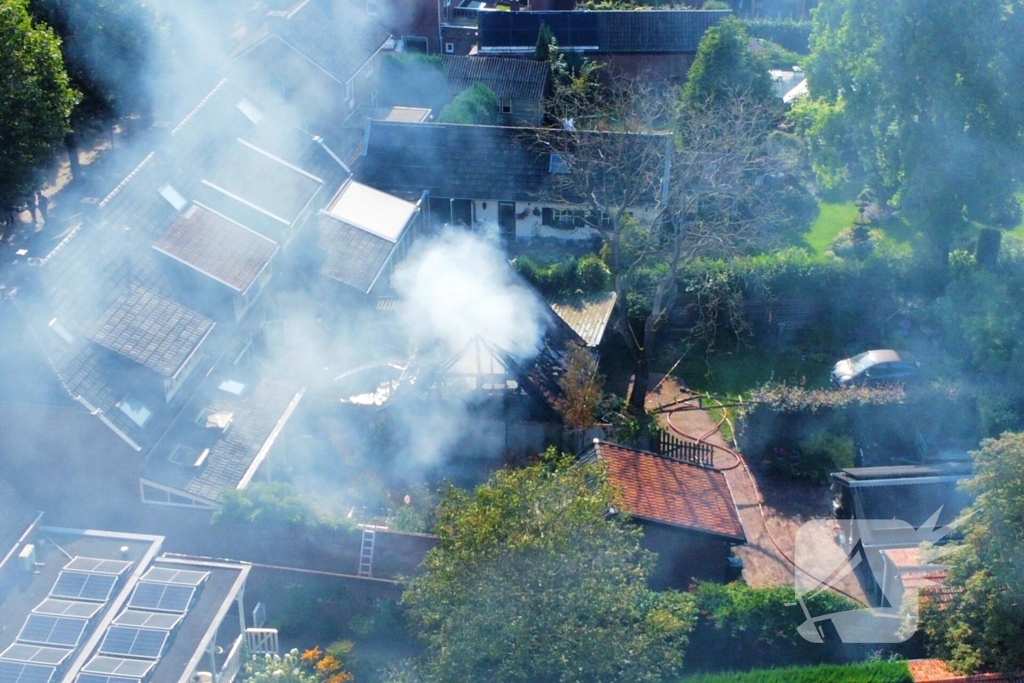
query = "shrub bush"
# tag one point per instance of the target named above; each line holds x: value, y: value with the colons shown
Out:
x: 757, y: 627
x: 476, y: 104
x: 570, y: 275
x: 592, y: 275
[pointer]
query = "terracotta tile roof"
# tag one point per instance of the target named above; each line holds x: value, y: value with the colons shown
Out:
x: 936, y: 671
x: 217, y: 247
x: 672, y: 492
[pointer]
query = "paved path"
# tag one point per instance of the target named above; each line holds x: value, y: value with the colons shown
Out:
x: 764, y: 564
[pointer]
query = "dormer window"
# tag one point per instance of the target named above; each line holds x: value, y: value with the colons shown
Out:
x: 136, y: 412
x: 173, y: 197
x: 188, y: 457
x: 558, y: 165
x: 250, y: 110
x: 215, y: 419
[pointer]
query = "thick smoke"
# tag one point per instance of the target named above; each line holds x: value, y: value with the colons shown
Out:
x: 459, y: 287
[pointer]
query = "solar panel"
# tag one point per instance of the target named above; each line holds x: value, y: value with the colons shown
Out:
x: 165, y: 597
x: 44, y: 629
x: 176, y: 576
x: 35, y: 654
x: 92, y: 565
x: 68, y: 608
x: 124, y: 668
x: 158, y: 620
x: 81, y: 586
x: 20, y: 672
x: 129, y: 641
x: 102, y: 678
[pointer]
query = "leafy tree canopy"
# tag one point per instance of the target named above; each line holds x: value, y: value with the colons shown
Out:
x: 109, y: 47
x: 725, y: 67
x: 983, y: 627
x: 476, y: 104
x: 921, y: 99
x: 533, y: 580
x: 36, y: 100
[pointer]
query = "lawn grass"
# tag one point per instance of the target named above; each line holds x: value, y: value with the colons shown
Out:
x: 734, y: 374
x: 866, y: 672
x: 1018, y: 232
x: 832, y: 219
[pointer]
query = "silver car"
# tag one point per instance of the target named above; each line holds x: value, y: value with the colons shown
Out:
x: 879, y: 366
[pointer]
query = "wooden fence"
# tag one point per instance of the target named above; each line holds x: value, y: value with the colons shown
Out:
x: 683, y: 450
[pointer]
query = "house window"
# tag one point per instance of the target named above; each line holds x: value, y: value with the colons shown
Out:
x: 135, y: 410
x: 416, y: 44
x: 563, y: 219
x: 350, y: 94
x: 372, y: 7
x: 449, y: 48
x: 173, y: 197
x: 506, y: 106
x: 558, y: 164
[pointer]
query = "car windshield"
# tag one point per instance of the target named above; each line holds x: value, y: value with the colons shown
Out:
x: 861, y: 362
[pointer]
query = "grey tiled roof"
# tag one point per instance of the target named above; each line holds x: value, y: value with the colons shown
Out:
x: 614, y: 31
x: 336, y: 35
x: 217, y: 247
x: 516, y: 79
x: 261, y: 179
x: 455, y: 161
x: 150, y: 330
x: 586, y: 314
x: 255, y: 416
x: 351, y: 256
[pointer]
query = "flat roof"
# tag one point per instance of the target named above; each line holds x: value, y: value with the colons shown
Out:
x: 189, y: 641
x: 373, y: 211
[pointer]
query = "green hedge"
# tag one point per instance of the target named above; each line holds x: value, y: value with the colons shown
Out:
x: 792, y: 35
x: 872, y: 672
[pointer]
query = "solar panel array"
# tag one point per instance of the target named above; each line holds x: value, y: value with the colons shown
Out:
x: 136, y: 640
x: 84, y: 586
x: 57, y: 625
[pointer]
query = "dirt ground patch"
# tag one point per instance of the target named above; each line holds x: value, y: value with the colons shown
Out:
x: 771, y: 509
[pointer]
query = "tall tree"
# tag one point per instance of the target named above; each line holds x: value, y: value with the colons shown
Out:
x: 705, y: 189
x: 726, y: 67
x: 36, y: 100
x: 982, y: 628
x: 929, y: 103
x: 110, y: 48
x: 534, y: 580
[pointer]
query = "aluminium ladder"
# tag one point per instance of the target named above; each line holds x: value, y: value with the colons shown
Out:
x: 366, y: 553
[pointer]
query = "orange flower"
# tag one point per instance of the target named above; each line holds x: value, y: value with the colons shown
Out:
x: 340, y: 677
x: 310, y: 656
x: 328, y: 665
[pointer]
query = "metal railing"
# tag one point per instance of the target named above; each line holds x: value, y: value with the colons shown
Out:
x: 233, y: 664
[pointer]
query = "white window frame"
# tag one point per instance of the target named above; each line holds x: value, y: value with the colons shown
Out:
x: 449, y: 48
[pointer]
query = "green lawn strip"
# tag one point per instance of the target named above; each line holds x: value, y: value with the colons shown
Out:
x: 871, y: 672
x: 1018, y: 232
x: 832, y: 219
x: 735, y: 374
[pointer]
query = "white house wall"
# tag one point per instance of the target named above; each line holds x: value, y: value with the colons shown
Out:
x: 531, y: 226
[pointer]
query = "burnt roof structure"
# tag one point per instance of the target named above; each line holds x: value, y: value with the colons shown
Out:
x: 669, y: 491
x: 514, y: 79
x: 605, y: 31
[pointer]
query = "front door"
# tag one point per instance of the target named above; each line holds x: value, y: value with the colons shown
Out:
x: 507, y: 221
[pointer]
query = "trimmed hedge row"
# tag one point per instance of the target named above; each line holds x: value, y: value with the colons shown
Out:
x: 792, y: 35
x: 872, y: 672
